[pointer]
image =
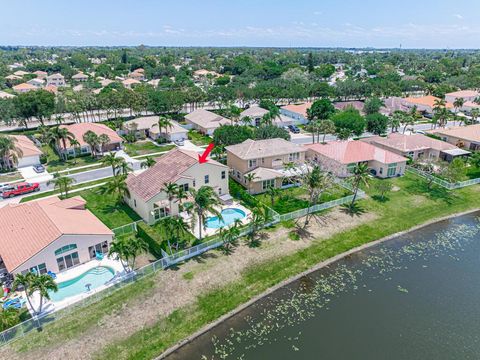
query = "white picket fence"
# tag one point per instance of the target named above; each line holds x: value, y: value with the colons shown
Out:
x: 446, y: 184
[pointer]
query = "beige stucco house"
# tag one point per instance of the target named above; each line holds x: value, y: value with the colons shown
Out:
x: 416, y: 146
x: 205, y: 121
x: 147, y: 189
x: 466, y: 137
x: 340, y: 157
x: 49, y: 235
x: 57, y: 80
x: 265, y: 160
x: 147, y: 126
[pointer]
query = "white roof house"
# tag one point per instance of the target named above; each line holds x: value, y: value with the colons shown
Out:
x: 205, y: 121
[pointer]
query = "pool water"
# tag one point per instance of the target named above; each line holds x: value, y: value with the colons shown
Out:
x: 96, y: 277
x: 228, y: 217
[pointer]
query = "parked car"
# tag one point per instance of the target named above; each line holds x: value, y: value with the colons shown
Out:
x: 38, y: 168
x: 294, y: 129
x: 179, y: 142
x: 20, y: 189
x: 4, y: 187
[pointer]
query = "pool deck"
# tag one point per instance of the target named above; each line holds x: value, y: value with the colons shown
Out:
x: 212, y: 231
x: 51, y: 306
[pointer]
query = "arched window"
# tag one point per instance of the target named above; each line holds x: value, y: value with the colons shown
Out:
x: 65, y: 248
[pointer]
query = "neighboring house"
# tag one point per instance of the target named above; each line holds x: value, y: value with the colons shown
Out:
x: 56, y: 79
x: 148, y: 126
x: 78, y: 130
x: 466, y: 95
x: 5, y: 95
x: 51, y: 88
x: 255, y: 113
x: 136, y: 75
x: 40, y: 74
x: 106, y: 82
x: 37, y: 82
x: 204, y: 73
x: 424, y: 104
x: 340, y: 158
x: 357, y: 105
x: 205, y: 121
x: 128, y: 83
x: 466, y: 137
x: 30, y: 153
x: 20, y: 73
x: 23, y: 88
x: 13, y: 77
x: 147, y: 194
x: 416, y: 146
x: 49, y: 235
x: 80, y: 77
x: 265, y: 160
x: 297, y: 112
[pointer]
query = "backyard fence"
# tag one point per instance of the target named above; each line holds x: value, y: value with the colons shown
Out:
x: 446, y: 184
x: 167, y: 260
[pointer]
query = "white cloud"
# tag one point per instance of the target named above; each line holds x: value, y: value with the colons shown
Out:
x: 458, y: 16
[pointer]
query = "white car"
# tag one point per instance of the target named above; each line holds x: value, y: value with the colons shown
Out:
x: 179, y: 142
x: 3, y: 187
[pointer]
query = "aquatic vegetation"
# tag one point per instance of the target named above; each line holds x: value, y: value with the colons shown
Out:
x: 301, y: 301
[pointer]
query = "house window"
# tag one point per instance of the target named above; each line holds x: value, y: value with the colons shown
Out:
x: 68, y: 261
x: 293, y: 156
x: 193, y: 182
x: 101, y: 248
x: 224, y: 174
x: 159, y: 212
x: 410, y: 154
x: 65, y: 249
x: 268, y: 183
x: 39, y: 269
x: 134, y: 202
x: 381, y: 171
x: 184, y: 187
x: 392, y: 169
x: 207, y: 179
x: 252, y: 163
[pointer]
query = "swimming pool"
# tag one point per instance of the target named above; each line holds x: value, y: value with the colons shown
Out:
x: 228, y: 215
x: 96, y: 277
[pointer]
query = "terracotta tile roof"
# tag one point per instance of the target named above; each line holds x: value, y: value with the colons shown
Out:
x: 469, y: 133
x: 406, y: 143
x: 29, y: 227
x: 254, y: 149
x: 299, y: 109
x: 168, y: 168
x: 428, y: 100
x: 26, y: 145
x: 348, y: 152
x: 78, y: 130
x: 463, y: 93
x: 206, y: 119
x: 24, y: 86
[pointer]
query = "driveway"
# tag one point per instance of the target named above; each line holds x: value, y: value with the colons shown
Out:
x: 30, y: 175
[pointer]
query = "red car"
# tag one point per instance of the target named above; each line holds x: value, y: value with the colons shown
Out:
x: 20, y: 189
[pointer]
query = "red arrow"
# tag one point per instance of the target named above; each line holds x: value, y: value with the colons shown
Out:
x: 203, y: 158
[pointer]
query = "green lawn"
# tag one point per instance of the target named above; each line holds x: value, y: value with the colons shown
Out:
x: 198, y: 139
x: 296, y: 198
x: 107, y: 209
x: 473, y: 172
x: 145, y: 147
x: 412, y: 203
x: 54, y: 163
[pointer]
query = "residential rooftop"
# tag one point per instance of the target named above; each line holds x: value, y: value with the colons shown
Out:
x: 78, y: 130
x: 428, y: 100
x: 469, y: 133
x: 207, y: 119
x: 254, y: 149
x: 407, y: 143
x: 298, y: 108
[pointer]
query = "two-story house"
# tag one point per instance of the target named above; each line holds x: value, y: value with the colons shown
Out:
x: 57, y: 80
x: 260, y: 164
x: 147, y: 189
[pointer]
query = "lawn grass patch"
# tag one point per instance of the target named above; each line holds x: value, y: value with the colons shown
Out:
x: 55, y: 164
x: 145, y: 147
x: 198, y: 139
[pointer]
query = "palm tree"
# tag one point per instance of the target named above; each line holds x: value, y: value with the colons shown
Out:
x: 43, y: 284
x: 76, y: 147
x: 179, y: 227
x: 312, y: 127
x: 204, y: 201
x: 103, y: 140
x: 164, y: 123
x: 228, y: 236
x: 396, y: 119
x: 111, y: 160
x: 325, y: 127
x: 249, y: 178
x: 180, y: 196
x: 360, y: 176
x: 273, y: 192
x: 457, y: 104
x: 475, y: 113
x: 171, y: 191
x: 62, y: 183
x: 91, y: 139
x: 9, y: 151
x: 116, y: 186
x: 119, y: 249
x: 148, y: 162
x: 24, y: 281
x: 315, y: 182
x: 8, y: 318
x: 63, y: 135
x: 123, y: 167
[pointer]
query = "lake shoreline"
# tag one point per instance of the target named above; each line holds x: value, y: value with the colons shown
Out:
x: 292, y: 279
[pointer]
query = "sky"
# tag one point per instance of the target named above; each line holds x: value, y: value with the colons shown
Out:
x: 271, y: 23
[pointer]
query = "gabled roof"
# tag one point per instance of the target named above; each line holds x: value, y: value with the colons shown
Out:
x: 469, y: 133
x: 28, y: 228
x: 168, y: 168
x: 151, y: 123
x: 254, y: 111
x: 26, y: 145
x: 80, y: 75
x: 206, y: 119
x: 299, y: 109
x: 78, y: 130
x: 406, y: 143
x: 254, y: 149
x: 351, y: 151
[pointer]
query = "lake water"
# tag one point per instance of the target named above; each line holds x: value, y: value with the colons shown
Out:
x: 415, y: 297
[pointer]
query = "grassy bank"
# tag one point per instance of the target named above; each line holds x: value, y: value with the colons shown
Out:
x: 412, y: 203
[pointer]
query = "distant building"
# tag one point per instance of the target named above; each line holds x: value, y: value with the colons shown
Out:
x: 466, y: 95
x: 37, y: 82
x: 424, y: 104
x: 128, y: 83
x: 148, y: 126
x: 466, y: 137
x: 28, y: 155
x: 297, y: 112
x: 255, y: 113
x: 56, y: 79
x: 205, y: 121
x: 24, y: 87
x: 40, y: 74
x: 80, y: 77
